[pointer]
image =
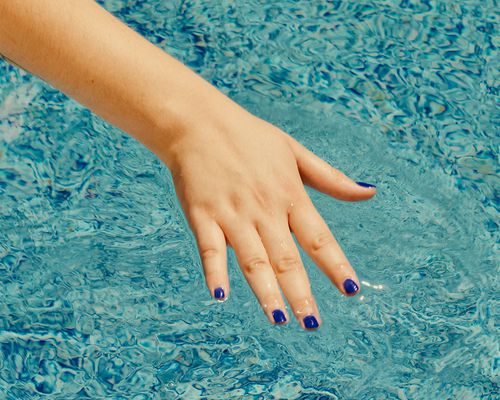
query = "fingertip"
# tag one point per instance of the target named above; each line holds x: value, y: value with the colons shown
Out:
x: 220, y: 293
x: 368, y: 190
x: 366, y: 185
x: 356, y: 191
x: 311, y: 323
x: 350, y: 287
x: 278, y: 317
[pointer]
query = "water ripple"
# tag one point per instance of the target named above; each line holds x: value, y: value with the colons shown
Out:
x: 102, y: 294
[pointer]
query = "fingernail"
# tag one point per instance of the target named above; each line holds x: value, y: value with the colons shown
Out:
x: 279, y: 316
x: 350, y: 286
x: 310, y: 322
x: 219, y: 293
x: 366, y: 185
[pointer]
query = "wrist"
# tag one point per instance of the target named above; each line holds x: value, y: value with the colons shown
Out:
x: 189, y: 117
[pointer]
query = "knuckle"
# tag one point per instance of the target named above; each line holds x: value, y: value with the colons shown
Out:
x: 254, y: 264
x: 262, y: 196
x: 208, y: 253
x: 236, y: 201
x: 195, y: 214
x: 291, y: 188
x: 321, y: 240
x: 227, y: 214
x: 286, y: 263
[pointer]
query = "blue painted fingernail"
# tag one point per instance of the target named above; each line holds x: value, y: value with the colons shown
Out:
x: 279, y: 316
x: 366, y: 185
x: 219, y: 293
x: 310, y: 322
x: 350, y: 286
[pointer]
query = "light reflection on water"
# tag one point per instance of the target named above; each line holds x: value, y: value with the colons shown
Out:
x: 101, y: 288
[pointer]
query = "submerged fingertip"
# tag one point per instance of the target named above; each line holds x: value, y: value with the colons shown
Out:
x: 351, y: 287
x: 219, y: 294
x: 279, y: 317
x: 310, y: 322
x: 366, y: 185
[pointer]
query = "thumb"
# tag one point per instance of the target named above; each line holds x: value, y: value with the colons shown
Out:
x: 321, y: 176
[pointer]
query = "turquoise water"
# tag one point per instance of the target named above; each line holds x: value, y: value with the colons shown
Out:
x: 101, y: 290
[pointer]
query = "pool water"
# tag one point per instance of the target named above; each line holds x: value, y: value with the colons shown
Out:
x: 101, y: 289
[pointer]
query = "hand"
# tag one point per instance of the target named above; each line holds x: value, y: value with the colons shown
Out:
x: 241, y: 183
x: 239, y: 179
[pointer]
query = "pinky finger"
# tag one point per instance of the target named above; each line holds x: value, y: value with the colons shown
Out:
x: 212, y: 249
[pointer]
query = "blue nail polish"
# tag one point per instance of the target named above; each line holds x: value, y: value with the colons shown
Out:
x: 350, y: 286
x: 366, y: 185
x: 310, y: 322
x: 219, y: 293
x: 279, y: 316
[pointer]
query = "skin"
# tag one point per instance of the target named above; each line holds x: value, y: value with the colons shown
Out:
x: 240, y: 180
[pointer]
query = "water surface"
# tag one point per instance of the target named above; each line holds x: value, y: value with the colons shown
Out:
x: 101, y: 289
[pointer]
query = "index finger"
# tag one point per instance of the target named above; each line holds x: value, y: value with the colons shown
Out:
x: 315, y: 237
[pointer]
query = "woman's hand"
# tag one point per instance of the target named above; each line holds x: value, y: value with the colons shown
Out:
x: 240, y: 182
x: 239, y: 178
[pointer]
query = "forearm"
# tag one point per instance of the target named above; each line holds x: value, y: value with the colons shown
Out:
x: 81, y: 49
